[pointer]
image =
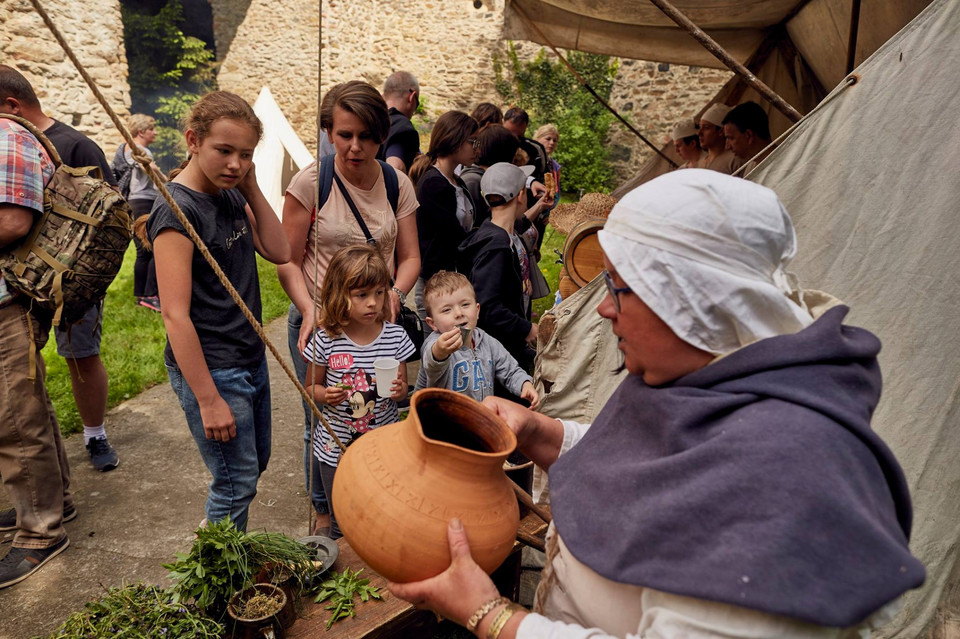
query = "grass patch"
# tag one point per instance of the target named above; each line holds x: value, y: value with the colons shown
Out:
x: 552, y: 241
x: 133, y: 341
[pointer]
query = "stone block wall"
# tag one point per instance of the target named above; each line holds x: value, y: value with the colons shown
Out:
x: 95, y: 33
x: 447, y: 44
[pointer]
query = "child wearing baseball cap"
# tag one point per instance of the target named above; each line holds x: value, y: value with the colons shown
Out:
x: 494, y: 259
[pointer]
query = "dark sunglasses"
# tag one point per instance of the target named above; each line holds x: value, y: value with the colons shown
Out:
x: 614, y: 290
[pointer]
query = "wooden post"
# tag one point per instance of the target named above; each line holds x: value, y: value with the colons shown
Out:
x: 713, y: 47
x: 854, y: 30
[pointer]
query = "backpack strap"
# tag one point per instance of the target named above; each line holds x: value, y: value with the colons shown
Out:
x: 326, y: 181
x: 390, y: 181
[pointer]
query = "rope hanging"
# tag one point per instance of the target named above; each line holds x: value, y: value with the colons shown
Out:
x: 157, y: 179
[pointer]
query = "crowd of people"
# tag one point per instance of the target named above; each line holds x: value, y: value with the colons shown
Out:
x: 690, y: 507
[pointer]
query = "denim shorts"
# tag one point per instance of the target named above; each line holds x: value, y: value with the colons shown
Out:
x: 82, y: 338
x: 235, y: 465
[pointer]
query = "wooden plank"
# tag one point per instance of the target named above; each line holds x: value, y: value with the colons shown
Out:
x: 391, y: 617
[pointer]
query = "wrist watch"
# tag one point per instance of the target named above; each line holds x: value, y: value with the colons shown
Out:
x: 401, y: 295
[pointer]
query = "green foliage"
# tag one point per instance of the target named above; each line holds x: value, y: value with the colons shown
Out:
x: 224, y: 560
x: 552, y: 243
x: 168, y: 72
x: 340, y: 589
x: 550, y: 93
x: 138, y: 612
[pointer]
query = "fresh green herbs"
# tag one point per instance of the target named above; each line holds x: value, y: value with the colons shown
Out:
x: 138, y: 611
x: 340, y: 589
x: 224, y: 560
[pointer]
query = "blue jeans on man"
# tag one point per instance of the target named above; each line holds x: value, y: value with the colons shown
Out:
x: 235, y: 465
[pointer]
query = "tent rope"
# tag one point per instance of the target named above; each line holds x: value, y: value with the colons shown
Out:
x: 583, y: 82
x: 157, y: 178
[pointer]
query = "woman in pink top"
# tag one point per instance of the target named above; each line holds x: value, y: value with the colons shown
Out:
x: 355, y: 118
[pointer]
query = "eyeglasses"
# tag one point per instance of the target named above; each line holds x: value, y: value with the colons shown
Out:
x: 474, y: 142
x: 614, y: 290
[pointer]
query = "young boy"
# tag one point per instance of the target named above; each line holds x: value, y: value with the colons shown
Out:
x: 493, y: 258
x: 460, y: 356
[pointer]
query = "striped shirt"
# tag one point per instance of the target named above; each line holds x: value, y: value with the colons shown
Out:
x: 25, y: 168
x: 349, y: 363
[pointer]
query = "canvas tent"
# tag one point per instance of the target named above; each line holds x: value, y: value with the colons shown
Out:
x: 796, y: 47
x: 868, y: 178
x: 280, y: 153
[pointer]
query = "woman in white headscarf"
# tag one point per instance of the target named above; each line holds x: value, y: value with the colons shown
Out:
x: 731, y: 486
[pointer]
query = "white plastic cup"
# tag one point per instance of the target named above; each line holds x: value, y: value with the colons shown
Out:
x: 386, y: 369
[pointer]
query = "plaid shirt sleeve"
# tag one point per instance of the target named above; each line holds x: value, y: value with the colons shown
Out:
x: 25, y: 168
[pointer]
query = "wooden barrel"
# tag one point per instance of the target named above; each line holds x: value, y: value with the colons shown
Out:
x: 582, y: 255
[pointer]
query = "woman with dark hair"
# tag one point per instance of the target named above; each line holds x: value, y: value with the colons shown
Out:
x: 487, y: 113
x: 446, y: 209
x: 356, y: 120
x: 494, y: 144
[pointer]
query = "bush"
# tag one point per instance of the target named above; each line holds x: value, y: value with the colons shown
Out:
x: 550, y: 93
x: 168, y: 72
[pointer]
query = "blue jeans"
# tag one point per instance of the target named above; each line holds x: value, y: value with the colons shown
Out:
x: 310, y: 464
x: 235, y: 465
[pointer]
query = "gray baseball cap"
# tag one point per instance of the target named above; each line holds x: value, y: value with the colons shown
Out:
x: 504, y: 179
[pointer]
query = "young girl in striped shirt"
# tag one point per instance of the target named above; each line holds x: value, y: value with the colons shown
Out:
x: 340, y: 373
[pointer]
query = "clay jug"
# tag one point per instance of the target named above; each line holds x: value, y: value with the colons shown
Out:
x: 397, y: 486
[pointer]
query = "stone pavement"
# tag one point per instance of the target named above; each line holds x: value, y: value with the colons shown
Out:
x: 133, y: 519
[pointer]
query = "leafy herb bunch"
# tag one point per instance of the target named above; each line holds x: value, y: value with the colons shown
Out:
x: 340, y: 589
x: 138, y: 612
x: 224, y: 560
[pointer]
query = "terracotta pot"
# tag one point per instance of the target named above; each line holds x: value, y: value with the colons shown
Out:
x: 398, y: 486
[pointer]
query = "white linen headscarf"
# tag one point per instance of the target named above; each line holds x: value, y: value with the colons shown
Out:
x: 707, y: 253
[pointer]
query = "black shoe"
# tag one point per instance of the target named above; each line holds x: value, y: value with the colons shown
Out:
x: 8, y: 518
x: 20, y: 563
x: 102, y: 455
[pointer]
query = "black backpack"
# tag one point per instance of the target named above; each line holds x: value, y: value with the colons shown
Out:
x: 123, y: 171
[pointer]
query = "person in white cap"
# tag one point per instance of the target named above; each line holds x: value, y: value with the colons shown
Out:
x: 712, y: 140
x: 495, y: 260
x: 686, y: 142
x: 731, y: 486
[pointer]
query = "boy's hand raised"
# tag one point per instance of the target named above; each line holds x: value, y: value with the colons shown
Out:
x: 448, y: 343
x: 529, y: 393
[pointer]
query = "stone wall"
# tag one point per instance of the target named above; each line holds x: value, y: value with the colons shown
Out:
x: 447, y: 44
x: 96, y: 36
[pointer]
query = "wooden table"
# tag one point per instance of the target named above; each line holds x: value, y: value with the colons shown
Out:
x: 393, y: 618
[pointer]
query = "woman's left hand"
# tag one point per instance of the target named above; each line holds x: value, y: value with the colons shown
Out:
x: 394, y: 305
x: 457, y: 592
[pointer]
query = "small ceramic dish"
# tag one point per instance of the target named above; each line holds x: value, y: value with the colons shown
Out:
x: 326, y: 552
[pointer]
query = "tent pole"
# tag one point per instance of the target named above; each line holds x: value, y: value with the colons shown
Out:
x: 713, y: 47
x: 583, y: 82
x: 854, y: 30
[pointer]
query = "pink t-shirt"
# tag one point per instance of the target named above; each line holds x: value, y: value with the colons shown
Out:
x: 335, y: 227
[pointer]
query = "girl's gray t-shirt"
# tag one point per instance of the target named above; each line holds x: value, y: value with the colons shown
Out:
x: 226, y: 337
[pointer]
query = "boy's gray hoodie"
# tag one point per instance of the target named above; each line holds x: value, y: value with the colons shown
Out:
x: 471, y: 371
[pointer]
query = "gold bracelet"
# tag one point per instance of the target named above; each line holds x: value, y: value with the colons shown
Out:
x: 501, y: 620
x: 483, y: 611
